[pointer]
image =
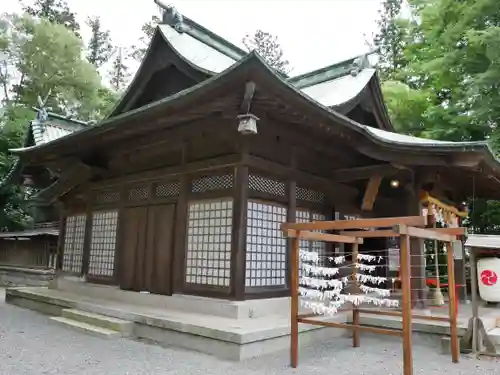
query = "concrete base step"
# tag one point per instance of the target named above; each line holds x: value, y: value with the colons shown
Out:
x: 494, y: 335
x: 98, y: 320
x: 86, y: 328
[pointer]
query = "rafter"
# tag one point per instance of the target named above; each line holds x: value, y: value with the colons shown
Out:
x: 363, y: 173
x: 79, y: 173
x: 371, y: 193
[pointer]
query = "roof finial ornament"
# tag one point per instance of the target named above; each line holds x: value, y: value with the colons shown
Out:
x: 170, y: 16
x: 359, y: 63
x: 41, y: 112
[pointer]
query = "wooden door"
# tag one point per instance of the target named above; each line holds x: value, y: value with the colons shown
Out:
x: 158, y: 254
x: 146, y: 249
x: 133, y: 225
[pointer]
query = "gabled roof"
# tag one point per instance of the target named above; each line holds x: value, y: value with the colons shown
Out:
x: 255, y: 68
x: 376, y: 143
x: 340, y: 86
x: 44, y: 130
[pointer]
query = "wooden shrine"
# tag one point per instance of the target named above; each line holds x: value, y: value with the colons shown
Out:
x: 183, y: 188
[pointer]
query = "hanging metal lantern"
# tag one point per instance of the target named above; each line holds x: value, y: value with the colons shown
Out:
x: 247, y: 124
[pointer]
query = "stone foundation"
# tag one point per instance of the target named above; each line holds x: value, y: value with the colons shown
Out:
x: 23, y: 276
x: 233, y: 330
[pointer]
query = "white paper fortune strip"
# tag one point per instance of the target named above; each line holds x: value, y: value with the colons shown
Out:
x: 370, y: 279
x: 366, y: 267
x: 319, y: 271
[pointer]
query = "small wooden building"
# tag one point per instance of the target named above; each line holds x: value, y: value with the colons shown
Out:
x: 183, y: 188
x: 36, y: 246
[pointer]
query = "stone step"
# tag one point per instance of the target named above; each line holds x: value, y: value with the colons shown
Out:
x: 494, y: 335
x: 86, y: 328
x: 98, y: 320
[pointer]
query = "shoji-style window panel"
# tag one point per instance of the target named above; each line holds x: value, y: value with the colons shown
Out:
x: 74, y: 238
x: 208, y: 253
x: 306, y: 216
x: 266, y: 246
x: 103, y: 243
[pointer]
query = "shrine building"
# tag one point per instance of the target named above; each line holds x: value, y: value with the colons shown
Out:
x: 179, y: 194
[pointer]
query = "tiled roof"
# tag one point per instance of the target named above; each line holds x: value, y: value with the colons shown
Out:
x: 197, y: 53
x: 330, y: 86
x: 339, y: 90
x: 39, y: 133
x: 54, y: 127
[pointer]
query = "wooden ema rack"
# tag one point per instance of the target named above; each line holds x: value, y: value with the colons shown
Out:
x: 351, y: 232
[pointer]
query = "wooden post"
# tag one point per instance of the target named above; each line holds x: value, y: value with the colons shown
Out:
x: 405, y: 274
x: 355, y: 310
x: 294, y: 303
x: 452, y: 303
x: 238, y: 251
x: 475, y: 301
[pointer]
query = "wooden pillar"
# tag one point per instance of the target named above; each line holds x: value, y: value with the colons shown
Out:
x: 61, y: 237
x: 238, y: 241
x: 417, y: 254
x: 291, y: 186
x: 355, y: 310
x: 452, y: 304
x: 179, y: 253
x: 294, y: 304
x: 405, y: 264
x: 88, y: 238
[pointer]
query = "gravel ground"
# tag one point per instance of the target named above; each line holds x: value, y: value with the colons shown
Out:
x: 31, y: 344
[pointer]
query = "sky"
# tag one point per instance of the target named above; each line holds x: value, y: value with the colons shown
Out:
x: 312, y: 33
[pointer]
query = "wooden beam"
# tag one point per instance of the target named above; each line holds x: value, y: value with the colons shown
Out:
x: 67, y: 181
x: 384, y: 222
x: 193, y: 167
x: 363, y: 173
x: 247, y: 97
x: 347, y: 192
x: 460, y: 231
x: 383, y: 331
x: 371, y: 193
x: 386, y: 233
x: 426, y: 233
x: 317, y: 236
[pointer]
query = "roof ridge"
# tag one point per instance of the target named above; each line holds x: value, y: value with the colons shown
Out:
x: 328, y: 72
x: 67, y: 118
x: 181, y: 23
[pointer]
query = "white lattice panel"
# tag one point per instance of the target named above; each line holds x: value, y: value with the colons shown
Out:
x: 208, y: 255
x: 211, y: 183
x: 107, y: 197
x: 266, y: 185
x: 138, y: 194
x: 309, y: 195
x: 103, y: 243
x: 74, y: 238
x: 168, y: 189
x: 266, y: 246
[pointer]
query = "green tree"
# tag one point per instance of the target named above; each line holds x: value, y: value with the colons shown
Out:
x: 38, y: 57
x: 55, y: 11
x: 148, y: 30
x: 391, y: 37
x: 267, y: 45
x: 14, y: 215
x: 48, y: 58
x: 119, y: 72
x: 447, y: 84
x: 100, y: 48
